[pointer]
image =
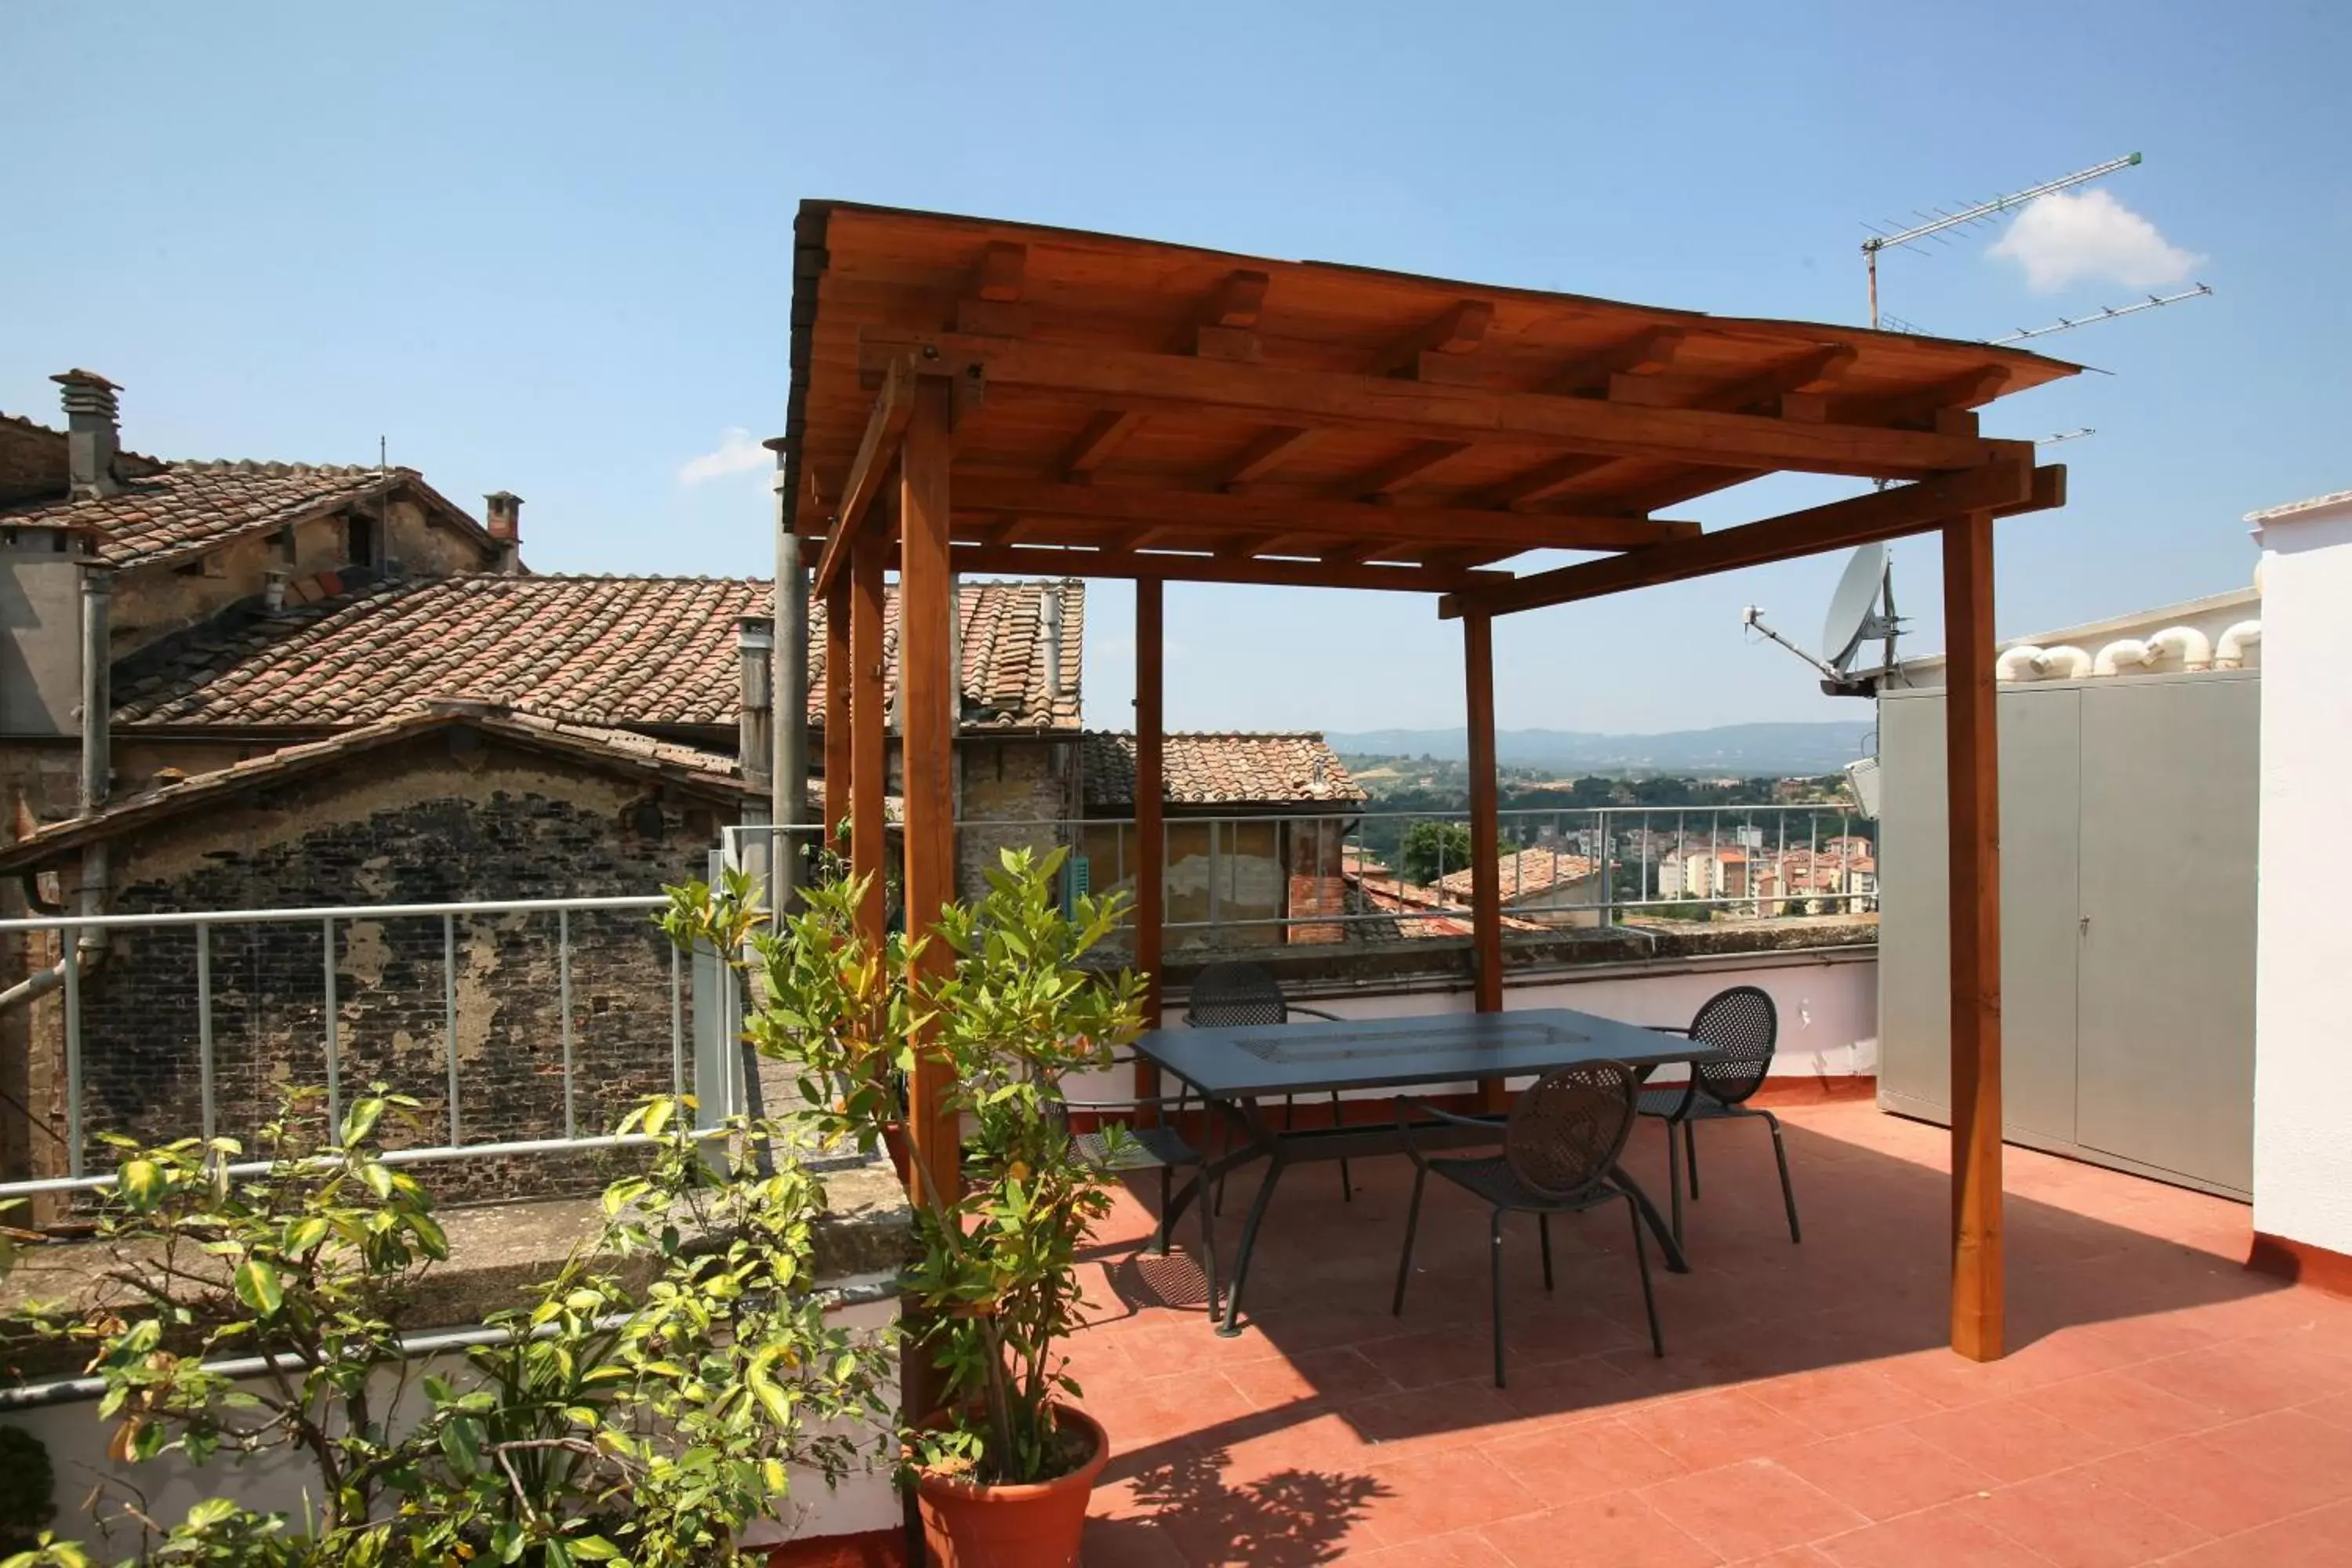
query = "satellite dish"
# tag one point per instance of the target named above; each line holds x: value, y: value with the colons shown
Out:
x: 1853, y: 607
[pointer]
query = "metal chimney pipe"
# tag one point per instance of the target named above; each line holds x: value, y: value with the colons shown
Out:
x: 1049, y: 611
x: 96, y: 736
x: 789, y: 802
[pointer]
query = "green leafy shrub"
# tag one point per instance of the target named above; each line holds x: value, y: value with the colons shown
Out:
x: 1016, y: 1008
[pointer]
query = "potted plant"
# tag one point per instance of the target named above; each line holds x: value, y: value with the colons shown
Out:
x: 1003, y: 1466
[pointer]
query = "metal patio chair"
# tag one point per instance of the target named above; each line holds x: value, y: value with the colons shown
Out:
x: 1239, y: 995
x: 1160, y: 1147
x: 1561, y: 1144
x: 1745, y: 1027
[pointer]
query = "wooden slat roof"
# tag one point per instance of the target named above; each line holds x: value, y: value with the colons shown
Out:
x: 1195, y: 414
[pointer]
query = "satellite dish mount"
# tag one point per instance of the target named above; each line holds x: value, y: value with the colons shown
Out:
x: 1861, y: 612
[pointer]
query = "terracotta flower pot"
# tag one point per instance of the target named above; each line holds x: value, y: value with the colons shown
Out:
x: 968, y: 1525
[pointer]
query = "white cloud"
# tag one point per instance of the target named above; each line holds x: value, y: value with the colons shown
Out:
x: 737, y: 453
x: 2062, y: 238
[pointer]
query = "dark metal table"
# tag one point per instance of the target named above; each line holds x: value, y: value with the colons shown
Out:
x: 1233, y: 1069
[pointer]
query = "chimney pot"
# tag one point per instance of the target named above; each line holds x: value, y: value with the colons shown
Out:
x: 504, y: 509
x: 93, y: 432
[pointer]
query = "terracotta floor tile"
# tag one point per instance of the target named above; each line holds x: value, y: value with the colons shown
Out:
x: 1793, y: 1557
x: 1453, y: 1415
x: 1834, y: 1401
x: 1952, y: 1536
x: 2078, y: 1521
x: 1332, y: 1376
x: 1587, y: 1459
x: 1619, y: 1531
x: 1718, y: 1427
x: 2234, y: 1380
x: 1886, y: 1472
x: 1129, y: 1543
x: 1435, y: 1494
x: 2314, y: 1540
x: 2120, y: 1408
x: 2239, y: 1478
x: 2335, y: 1410
x: 1463, y: 1549
x: 2009, y: 1439
x: 1419, y: 1359
x: 1750, y: 1508
x: 1811, y: 1385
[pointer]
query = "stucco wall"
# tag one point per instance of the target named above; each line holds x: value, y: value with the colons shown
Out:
x: 2303, y: 1156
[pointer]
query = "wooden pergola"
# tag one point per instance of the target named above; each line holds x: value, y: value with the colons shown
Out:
x: 972, y: 395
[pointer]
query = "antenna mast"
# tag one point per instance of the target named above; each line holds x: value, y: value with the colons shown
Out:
x: 1983, y: 212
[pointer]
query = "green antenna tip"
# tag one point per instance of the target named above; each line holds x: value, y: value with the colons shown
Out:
x: 2135, y: 158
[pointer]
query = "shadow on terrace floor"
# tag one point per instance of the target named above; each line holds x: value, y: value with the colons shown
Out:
x: 1332, y: 1428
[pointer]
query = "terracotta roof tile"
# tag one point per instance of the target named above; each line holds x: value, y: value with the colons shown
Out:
x: 190, y: 508
x: 1525, y: 873
x: 615, y: 651
x: 1224, y: 769
x: 615, y: 749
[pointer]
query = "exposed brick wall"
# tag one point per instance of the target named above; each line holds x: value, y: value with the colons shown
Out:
x: 1027, y: 787
x: 416, y: 825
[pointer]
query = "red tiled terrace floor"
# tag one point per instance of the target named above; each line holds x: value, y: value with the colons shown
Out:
x: 2160, y: 1404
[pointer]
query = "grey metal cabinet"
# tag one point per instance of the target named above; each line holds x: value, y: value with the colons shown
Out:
x: 2129, y: 823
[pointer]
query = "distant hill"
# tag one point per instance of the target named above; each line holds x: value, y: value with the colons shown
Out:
x: 1774, y: 750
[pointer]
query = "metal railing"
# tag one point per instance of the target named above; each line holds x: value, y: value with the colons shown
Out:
x: 687, y: 1067
x: 1753, y: 861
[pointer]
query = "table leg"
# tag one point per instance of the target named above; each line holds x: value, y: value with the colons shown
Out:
x: 1675, y: 1262
x: 1233, y: 1325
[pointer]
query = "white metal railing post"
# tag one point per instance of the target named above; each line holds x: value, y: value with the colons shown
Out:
x: 207, y: 1099
x: 563, y: 1001
x: 450, y: 1017
x: 334, y: 1042
x: 69, y: 942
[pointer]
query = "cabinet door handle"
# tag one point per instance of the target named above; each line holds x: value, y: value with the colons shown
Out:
x: 2083, y: 926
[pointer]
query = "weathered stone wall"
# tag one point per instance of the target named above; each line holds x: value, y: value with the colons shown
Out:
x: 1022, y: 791
x: 412, y: 825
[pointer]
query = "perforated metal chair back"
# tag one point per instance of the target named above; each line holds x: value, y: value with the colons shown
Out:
x: 1233, y: 995
x: 1566, y: 1129
x: 1744, y: 1026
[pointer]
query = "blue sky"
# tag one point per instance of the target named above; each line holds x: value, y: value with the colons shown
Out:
x: 548, y: 248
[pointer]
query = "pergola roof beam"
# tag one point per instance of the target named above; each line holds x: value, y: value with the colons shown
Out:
x: 1168, y: 567
x: 1168, y: 382
x: 1651, y: 348
x: 2003, y: 488
x: 1137, y: 506
x: 886, y: 428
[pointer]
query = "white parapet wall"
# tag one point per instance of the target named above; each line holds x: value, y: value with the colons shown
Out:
x: 1827, y: 1000
x: 2303, y: 1049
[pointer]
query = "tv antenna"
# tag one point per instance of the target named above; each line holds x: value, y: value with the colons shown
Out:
x: 2107, y: 313
x: 1939, y: 221
x: 1862, y: 611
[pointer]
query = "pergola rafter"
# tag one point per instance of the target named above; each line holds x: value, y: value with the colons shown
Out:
x: 1114, y: 407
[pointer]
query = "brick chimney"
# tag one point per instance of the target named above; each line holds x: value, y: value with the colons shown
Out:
x: 93, y: 432
x: 505, y: 510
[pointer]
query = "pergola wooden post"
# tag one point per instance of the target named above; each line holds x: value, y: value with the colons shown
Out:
x: 1151, y: 828
x: 927, y: 706
x: 836, y: 716
x: 1972, y: 752
x: 869, y: 740
x: 1485, y: 830
x: 1120, y: 408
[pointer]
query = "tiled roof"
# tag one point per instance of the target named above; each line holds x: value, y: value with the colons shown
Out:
x: 1231, y: 769
x: 624, y: 651
x: 604, y: 748
x: 190, y: 508
x: 1525, y: 874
